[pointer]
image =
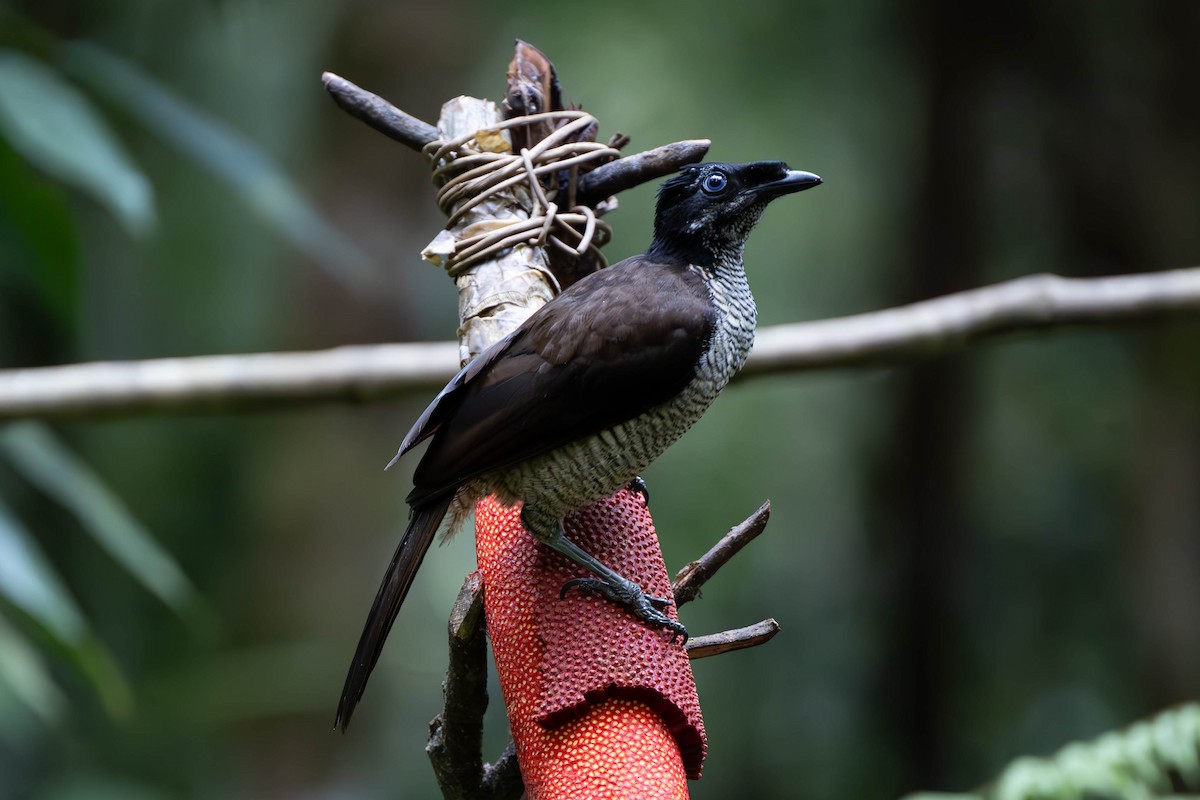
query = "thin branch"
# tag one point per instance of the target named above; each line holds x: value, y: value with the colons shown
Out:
x: 688, y: 580
x: 625, y: 173
x: 950, y: 323
x: 370, y: 373
x: 224, y: 383
x: 379, y: 113
x: 727, y: 641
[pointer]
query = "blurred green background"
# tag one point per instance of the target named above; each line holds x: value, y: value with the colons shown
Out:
x: 972, y: 558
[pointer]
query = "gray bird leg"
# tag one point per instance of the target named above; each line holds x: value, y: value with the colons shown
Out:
x: 608, y: 583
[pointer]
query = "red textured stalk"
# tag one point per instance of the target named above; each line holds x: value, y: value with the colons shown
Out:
x: 600, y: 705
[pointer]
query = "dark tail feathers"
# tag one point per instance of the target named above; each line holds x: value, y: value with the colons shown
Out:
x: 396, y: 581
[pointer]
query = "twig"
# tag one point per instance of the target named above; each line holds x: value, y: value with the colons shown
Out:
x: 717, y: 643
x: 688, y: 580
x: 368, y: 373
x: 625, y: 173
x: 379, y: 113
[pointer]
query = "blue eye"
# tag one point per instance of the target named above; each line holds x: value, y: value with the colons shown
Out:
x: 714, y: 183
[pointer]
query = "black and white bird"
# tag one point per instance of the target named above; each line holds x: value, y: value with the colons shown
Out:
x: 576, y: 403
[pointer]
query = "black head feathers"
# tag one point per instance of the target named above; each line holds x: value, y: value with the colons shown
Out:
x: 708, y: 208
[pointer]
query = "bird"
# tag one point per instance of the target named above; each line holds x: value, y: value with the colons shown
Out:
x: 577, y: 401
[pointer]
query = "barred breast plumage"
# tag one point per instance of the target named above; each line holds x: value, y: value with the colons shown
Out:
x: 593, y: 467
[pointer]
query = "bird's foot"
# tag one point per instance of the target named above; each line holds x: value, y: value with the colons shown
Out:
x: 638, y: 486
x: 645, y: 607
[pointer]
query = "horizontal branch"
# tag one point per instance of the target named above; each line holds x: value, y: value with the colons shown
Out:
x: 376, y: 372
x: 625, y: 173
x: 714, y: 644
x: 947, y: 324
x: 225, y: 383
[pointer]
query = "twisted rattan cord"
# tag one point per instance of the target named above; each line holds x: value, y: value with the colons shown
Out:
x: 468, y: 174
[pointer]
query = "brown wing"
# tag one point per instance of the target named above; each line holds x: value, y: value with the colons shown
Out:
x: 609, y: 348
x: 447, y: 399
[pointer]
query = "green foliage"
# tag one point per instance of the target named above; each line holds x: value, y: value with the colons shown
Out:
x: 58, y: 129
x: 50, y: 466
x: 1152, y: 760
x: 39, y: 230
x: 24, y: 679
x: 57, y: 140
x: 30, y: 585
x: 244, y: 168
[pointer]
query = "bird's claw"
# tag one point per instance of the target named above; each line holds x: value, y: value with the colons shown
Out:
x: 638, y: 486
x: 645, y: 607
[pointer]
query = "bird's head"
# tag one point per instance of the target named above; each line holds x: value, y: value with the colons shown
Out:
x: 710, y: 208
